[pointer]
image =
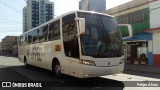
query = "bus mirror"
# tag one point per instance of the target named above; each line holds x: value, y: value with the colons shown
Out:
x: 81, y: 25
x: 126, y: 30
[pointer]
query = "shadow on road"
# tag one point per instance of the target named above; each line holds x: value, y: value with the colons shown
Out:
x: 8, y: 74
x: 22, y: 73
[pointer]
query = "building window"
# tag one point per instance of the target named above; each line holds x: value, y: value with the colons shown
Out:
x: 134, y: 17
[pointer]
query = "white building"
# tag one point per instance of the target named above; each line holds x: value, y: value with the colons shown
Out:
x: 36, y: 13
x: 143, y: 15
x: 155, y: 29
x: 0, y: 47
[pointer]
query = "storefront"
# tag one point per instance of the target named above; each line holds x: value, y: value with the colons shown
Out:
x: 143, y: 15
x: 138, y: 48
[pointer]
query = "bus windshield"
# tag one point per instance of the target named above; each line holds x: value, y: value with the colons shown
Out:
x: 102, y: 38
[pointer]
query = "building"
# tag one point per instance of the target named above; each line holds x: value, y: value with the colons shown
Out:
x: 92, y: 5
x: 10, y: 45
x: 36, y: 13
x: 155, y: 30
x: 143, y: 47
x: 25, y: 26
x: 0, y: 48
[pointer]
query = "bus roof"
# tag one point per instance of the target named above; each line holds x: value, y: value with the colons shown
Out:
x: 54, y: 19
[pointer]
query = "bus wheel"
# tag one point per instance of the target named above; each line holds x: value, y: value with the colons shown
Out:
x: 25, y: 61
x: 57, y: 69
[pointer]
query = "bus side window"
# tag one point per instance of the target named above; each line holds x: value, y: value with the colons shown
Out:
x: 70, y: 39
x: 25, y: 39
x: 30, y: 37
x: 40, y: 34
x: 35, y: 35
x: 20, y: 40
x: 54, y: 30
x: 43, y: 33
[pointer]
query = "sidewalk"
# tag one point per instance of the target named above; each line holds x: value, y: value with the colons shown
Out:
x: 142, y: 69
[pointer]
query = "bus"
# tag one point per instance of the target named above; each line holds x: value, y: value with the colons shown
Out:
x: 82, y: 44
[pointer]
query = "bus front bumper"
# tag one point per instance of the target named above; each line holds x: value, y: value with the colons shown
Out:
x: 94, y: 71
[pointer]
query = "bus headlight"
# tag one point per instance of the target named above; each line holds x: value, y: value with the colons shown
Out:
x: 87, y: 62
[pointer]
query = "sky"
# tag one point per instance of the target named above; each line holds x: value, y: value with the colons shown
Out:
x: 11, y: 13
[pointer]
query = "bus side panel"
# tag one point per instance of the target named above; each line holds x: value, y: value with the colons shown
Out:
x: 44, y: 53
x: 30, y: 54
x: 20, y: 54
x: 51, y: 53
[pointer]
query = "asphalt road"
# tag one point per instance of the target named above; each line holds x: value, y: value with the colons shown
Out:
x: 12, y: 70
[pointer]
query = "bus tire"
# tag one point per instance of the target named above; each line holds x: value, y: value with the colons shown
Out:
x: 57, y: 69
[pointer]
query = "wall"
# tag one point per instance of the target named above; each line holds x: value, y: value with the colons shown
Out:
x: 156, y: 49
x: 140, y: 26
x: 97, y: 5
x: 83, y: 4
x: 155, y: 23
x: 155, y: 14
x: 150, y: 52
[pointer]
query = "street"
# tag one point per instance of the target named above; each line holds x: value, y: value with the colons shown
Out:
x: 12, y: 70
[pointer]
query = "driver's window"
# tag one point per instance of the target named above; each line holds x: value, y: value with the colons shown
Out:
x: 70, y: 39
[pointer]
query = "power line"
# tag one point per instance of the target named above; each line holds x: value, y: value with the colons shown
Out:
x: 10, y: 27
x: 10, y: 7
x: 10, y: 23
x: 11, y: 31
x: 9, y: 20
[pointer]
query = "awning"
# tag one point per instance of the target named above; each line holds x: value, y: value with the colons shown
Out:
x: 140, y: 36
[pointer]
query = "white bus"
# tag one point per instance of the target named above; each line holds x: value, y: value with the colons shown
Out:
x: 80, y: 43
